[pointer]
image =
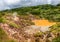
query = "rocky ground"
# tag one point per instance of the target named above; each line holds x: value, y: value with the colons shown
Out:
x: 22, y: 29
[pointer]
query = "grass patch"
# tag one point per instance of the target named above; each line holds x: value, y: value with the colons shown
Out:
x: 2, y: 20
x: 12, y: 24
x: 4, y: 37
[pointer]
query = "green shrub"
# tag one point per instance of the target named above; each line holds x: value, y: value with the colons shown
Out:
x: 14, y: 25
x: 57, y: 39
x: 2, y: 20
x: 55, y: 28
x: 38, y: 34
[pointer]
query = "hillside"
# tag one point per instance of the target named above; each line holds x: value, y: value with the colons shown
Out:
x: 44, y: 11
x: 18, y: 24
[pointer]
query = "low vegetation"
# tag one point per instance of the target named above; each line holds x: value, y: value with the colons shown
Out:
x: 26, y: 15
x: 4, y: 37
x: 57, y: 39
x: 12, y: 24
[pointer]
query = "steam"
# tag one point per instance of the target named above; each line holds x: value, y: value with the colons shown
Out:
x: 15, y: 17
x: 15, y: 14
